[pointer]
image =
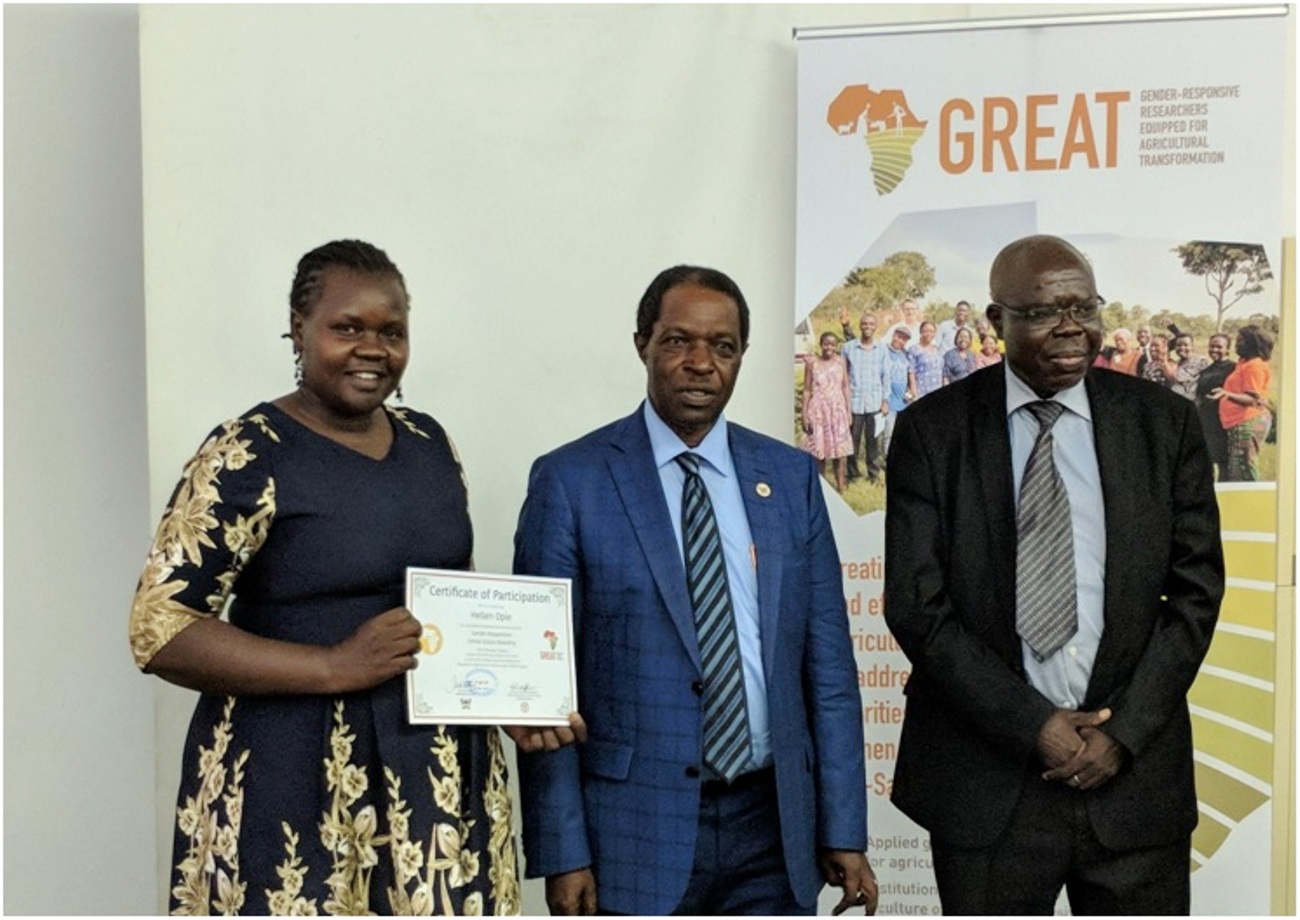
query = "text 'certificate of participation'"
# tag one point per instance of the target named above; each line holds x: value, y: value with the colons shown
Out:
x: 496, y: 649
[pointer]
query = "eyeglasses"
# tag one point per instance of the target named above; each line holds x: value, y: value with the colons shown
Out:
x: 1048, y: 316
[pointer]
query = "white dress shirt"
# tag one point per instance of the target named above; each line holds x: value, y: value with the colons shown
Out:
x: 1063, y: 676
x: 719, y: 474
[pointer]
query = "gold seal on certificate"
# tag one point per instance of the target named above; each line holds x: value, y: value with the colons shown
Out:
x: 496, y: 649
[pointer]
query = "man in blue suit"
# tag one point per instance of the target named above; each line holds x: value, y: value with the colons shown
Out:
x: 670, y: 807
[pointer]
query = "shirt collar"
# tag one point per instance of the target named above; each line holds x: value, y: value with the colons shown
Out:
x: 666, y: 445
x: 1019, y: 394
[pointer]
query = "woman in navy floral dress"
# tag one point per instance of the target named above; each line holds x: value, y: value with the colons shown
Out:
x: 304, y: 790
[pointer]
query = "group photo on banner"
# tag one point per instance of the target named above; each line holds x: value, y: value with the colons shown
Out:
x: 1145, y: 199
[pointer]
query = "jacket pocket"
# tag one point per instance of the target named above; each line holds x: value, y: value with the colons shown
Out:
x: 607, y: 759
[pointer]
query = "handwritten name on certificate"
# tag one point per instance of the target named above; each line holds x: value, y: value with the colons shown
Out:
x: 496, y: 649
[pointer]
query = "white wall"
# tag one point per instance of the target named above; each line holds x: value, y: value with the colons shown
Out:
x: 79, y: 826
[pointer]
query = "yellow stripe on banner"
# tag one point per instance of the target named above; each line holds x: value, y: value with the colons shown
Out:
x: 1237, y: 701
x: 1248, y: 607
x: 1242, y: 654
x: 1225, y: 794
x: 1245, y: 752
x: 1208, y: 836
x: 1254, y: 510
x: 1246, y: 559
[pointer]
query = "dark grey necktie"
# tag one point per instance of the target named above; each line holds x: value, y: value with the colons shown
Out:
x: 726, y: 718
x: 1046, y: 604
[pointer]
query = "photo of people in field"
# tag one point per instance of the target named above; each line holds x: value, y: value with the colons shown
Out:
x: 1198, y: 316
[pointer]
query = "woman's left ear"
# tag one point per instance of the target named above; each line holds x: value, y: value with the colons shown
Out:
x: 295, y: 331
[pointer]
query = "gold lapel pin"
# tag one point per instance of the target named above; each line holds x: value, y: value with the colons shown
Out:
x: 763, y: 490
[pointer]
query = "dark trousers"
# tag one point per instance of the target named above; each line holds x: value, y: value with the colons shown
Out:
x: 860, y: 426
x: 1049, y: 844
x: 739, y: 865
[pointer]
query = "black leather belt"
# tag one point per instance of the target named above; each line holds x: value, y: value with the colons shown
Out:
x: 744, y: 781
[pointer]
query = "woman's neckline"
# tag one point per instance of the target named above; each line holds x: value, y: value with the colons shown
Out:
x: 324, y: 436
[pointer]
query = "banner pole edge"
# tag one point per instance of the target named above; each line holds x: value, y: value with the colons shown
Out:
x: 813, y: 33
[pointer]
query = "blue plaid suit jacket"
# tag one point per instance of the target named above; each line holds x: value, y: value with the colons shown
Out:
x: 626, y: 803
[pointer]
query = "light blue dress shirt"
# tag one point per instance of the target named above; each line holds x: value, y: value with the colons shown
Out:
x: 719, y: 475
x: 867, y: 380
x: 1063, y: 676
x: 896, y: 367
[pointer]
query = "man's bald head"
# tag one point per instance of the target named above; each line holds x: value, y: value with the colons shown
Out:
x: 1019, y: 265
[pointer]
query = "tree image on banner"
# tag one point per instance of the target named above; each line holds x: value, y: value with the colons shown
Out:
x: 878, y: 287
x: 885, y: 121
x: 901, y: 274
x: 1231, y: 271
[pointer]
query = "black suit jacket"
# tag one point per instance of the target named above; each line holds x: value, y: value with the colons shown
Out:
x: 972, y: 719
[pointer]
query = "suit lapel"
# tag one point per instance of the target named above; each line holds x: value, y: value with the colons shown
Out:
x: 1116, y: 455
x: 636, y: 479
x: 993, y: 457
x: 763, y: 510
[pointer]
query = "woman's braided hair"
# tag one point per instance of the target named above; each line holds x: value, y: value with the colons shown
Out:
x: 353, y: 255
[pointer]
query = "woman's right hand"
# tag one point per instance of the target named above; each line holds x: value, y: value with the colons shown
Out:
x: 380, y: 649
x: 214, y: 656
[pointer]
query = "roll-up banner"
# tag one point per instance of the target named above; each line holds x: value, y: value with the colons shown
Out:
x: 1155, y: 143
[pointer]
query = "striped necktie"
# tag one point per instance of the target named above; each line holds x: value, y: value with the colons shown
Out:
x: 726, y: 719
x: 1046, y: 603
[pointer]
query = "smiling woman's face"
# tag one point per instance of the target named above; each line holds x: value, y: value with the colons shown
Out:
x: 353, y: 341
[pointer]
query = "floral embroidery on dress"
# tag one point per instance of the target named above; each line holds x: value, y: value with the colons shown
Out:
x: 349, y: 838
x: 503, y: 870
x: 243, y: 538
x: 400, y: 415
x: 213, y: 850
x: 424, y: 880
x: 449, y: 863
x: 186, y: 530
x: 259, y: 419
x: 288, y: 901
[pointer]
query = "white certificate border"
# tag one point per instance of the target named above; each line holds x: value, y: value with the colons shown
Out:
x: 537, y: 580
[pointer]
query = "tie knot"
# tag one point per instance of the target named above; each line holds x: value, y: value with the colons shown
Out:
x: 1046, y: 412
x: 689, y: 462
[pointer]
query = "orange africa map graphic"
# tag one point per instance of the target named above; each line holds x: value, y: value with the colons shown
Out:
x: 884, y: 119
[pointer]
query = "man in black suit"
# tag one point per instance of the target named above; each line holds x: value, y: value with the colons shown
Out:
x: 1047, y: 741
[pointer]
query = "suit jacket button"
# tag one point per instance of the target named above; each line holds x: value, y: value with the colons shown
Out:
x: 692, y: 771
x: 697, y: 687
